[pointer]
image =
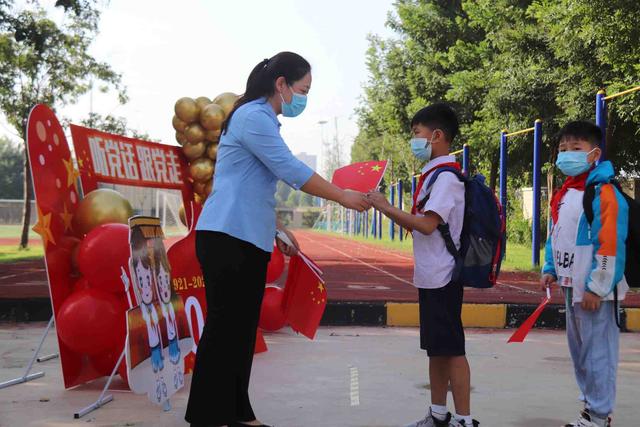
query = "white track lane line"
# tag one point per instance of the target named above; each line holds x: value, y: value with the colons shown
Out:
x: 400, y: 279
x: 371, y: 248
x: 354, y: 386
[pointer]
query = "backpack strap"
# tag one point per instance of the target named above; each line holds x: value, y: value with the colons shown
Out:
x: 420, y: 205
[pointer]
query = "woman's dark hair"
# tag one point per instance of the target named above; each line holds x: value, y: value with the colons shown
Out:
x: 262, y: 79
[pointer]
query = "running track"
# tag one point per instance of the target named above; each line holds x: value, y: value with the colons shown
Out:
x: 353, y: 271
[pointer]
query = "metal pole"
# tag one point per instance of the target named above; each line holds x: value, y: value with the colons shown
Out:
x: 465, y: 159
x: 400, y: 229
x: 503, y: 175
x: 374, y: 224
x: 28, y: 377
x: 392, y: 200
x: 380, y: 225
x: 535, y: 237
x: 601, y: 121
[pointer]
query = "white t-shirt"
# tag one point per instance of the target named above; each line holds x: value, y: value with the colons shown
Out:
x: 433, y: 264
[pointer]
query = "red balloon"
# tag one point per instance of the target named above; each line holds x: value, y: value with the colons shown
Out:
x: 92, y: 321
x: 272, y: 316
x: 102, y: 252
x: 81, y: 284
x: 276, y: 265
x: 105, y: 362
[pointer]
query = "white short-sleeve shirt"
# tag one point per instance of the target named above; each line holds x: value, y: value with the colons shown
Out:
x: 433, y: 264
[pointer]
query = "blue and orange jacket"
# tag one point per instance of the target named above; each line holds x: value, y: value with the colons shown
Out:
x: 592, y: 255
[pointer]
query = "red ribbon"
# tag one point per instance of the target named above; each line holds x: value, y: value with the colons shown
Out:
x: 578, y: 182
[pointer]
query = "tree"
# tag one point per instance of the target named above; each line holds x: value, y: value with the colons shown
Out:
x: 42, y: 61
x: 10, y: 169
x: 501, y: 64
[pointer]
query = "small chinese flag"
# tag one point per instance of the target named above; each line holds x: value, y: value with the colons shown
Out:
x: 363, y: 176
x: 305, y: 297
x: 521, y: 333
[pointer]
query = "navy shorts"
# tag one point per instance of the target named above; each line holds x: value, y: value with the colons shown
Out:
x: 441, y: 332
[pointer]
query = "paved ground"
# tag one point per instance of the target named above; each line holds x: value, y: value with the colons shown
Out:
x: 354, y: 271
x: 308, y: 383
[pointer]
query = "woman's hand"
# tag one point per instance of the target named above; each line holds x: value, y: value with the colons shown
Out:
x: 285, y: 248
x: 354, y: 200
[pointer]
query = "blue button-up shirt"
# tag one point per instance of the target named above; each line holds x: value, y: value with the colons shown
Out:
x: 252, y: 157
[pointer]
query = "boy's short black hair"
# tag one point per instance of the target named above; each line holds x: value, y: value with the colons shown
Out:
x: 438, y: 116
x: 581, y: 129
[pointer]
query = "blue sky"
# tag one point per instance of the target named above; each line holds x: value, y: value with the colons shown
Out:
x: 166, y: 50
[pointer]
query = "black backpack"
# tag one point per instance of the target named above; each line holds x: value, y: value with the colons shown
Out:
x: 482, y: 237
x: 632, y: 264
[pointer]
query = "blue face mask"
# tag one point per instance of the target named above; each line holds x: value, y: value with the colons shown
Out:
x: 421, y: 148
x: 297, y: 105
x: 573, y: 163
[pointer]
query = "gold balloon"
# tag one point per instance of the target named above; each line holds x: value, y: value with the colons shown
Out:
x: 208, y: 187
x: 194, y: 133
x: 212, y: 117
x: 202, y: 101
x: 201, y: 169
x: 178, y: 124
x: 200, y: 187
x: 181, y: 138
x: 197, y: 198
x: 182, y: 215
x: 212, y: 135
x: 193, y: 151
x: 101, y: 206
x: 212, y: 151
x: 226, y: 100
x: 187, y: 110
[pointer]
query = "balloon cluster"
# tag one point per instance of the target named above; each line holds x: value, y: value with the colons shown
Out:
x: 197, y: 123
x: 91, y: 320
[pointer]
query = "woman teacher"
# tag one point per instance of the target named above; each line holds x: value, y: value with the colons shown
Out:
x: 235, y: 234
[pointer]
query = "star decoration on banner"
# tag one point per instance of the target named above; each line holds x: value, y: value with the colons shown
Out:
x: 72, y: 174
x: 66, y: 218
x: 80, y: 162
x: 375, y: 168
x: 43, y: 228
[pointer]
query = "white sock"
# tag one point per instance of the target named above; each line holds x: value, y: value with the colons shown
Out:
x: 439, y: 412
x: 468, y: 421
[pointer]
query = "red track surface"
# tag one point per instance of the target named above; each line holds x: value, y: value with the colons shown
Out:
x: 353, y: 271
x: 356, y: 271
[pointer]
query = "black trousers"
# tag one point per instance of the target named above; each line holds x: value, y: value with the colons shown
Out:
x: 234, y: 276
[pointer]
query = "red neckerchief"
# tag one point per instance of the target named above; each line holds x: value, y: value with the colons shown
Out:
x: 423, y: 177
x: 578, y: 182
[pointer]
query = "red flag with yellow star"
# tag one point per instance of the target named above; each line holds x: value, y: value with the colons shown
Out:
x: 305, y: 297
x: 363, y: 176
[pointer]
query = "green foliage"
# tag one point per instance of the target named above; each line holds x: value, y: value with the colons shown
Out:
x: 501, y: 64
x: 11, y: 173
x: 47, y: 62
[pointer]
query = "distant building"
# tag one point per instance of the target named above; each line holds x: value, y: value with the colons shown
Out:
x: 310, y: 160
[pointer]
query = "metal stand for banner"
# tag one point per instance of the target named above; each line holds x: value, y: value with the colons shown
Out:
x: 104, y: 398
x: 27, y: 376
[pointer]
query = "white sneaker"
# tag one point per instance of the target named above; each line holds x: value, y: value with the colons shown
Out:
x: 588, y: 420
x: 431, y: 421
x: 461, y: 423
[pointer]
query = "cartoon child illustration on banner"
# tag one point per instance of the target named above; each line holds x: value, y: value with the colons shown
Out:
x: 158, y: 321
x: 167, y: 300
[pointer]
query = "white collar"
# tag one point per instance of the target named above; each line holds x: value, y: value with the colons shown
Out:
x: 437, y: 162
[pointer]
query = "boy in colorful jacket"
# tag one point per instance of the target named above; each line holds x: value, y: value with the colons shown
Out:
x: 587, y: 261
